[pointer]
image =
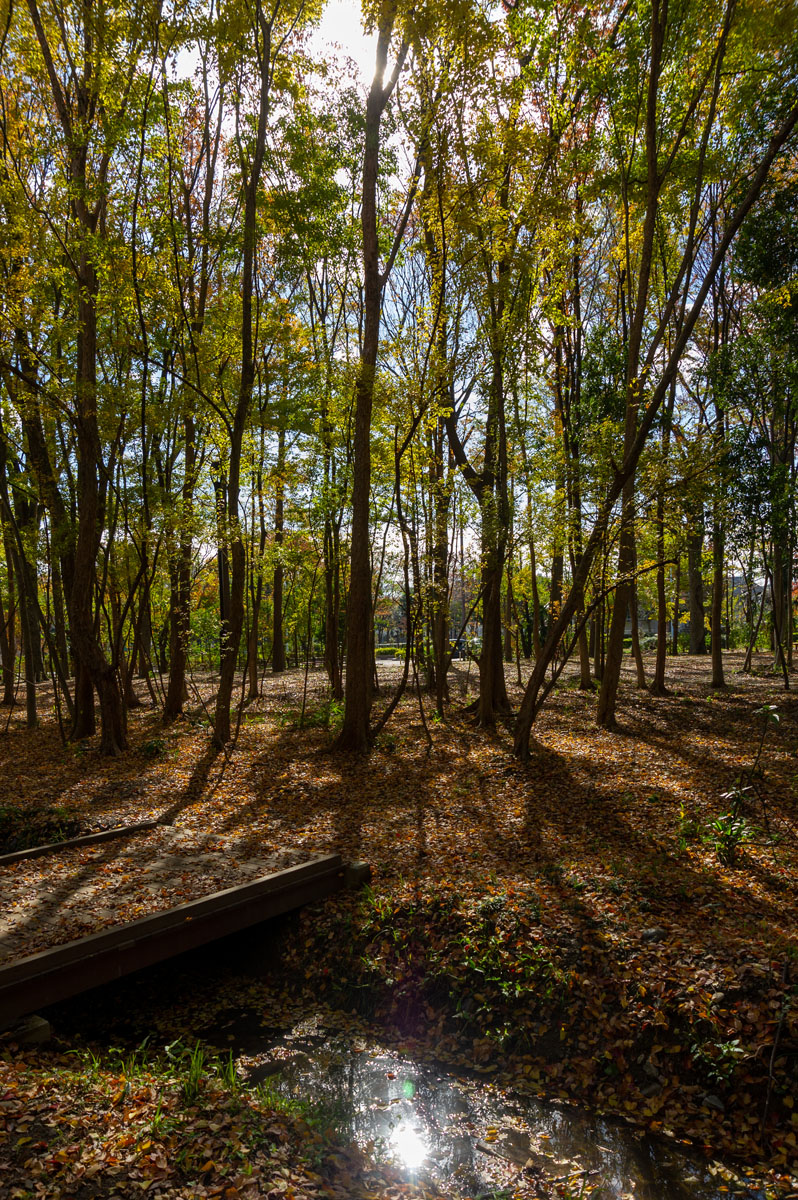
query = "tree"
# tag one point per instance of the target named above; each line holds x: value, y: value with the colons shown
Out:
x: 356, y: 732
x: 89, y: 61
x: 666, y: 131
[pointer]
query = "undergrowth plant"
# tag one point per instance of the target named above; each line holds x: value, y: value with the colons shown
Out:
x: 730, y: 830
x: 191, y: 1065
x: 726, y: 835
x: 228, y: 1073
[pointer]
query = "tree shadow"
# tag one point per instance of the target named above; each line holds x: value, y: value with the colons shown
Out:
x: 67, y: 882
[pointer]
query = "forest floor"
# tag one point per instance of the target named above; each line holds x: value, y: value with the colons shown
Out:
x: 590, y: 926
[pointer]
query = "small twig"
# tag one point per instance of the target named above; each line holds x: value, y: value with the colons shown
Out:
x: 771, y: 1079
x: 571, y: 1175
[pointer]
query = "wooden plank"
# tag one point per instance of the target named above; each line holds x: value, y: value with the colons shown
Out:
x: 85, y: 839
x: 31, y: 983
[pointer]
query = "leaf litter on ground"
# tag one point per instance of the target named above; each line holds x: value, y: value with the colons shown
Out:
x: 567, y: 927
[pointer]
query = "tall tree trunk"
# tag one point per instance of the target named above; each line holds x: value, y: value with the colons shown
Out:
x: 7, y: 634
x: 509, y: 639
x: 180, y: 600
x: 278, y: 635
x: 256, y: 584
x: 93, y: 669
x: 355, y: 732
x: 613, y: 661
x: 598, y: 647
x: 658, y: 687
x: 716, y: 617
x: 27, y: 566
x: 94, y: 672
x: 41, y: 457
x: 24, y: 541
x: 492, y: 686
x: 253, y: 689
x: 332, y: 607
x: 59, y: 614
x: 76, y: 108
x: 533, y: 570
x: 441, y: 492
x: 251, y: 169
x: 634, y: 384
x: 24, y: 606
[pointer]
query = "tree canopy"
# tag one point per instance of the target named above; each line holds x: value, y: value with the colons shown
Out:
x: 494, y: 355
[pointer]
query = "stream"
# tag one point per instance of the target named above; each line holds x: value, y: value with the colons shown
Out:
x: 462, y: 1132
x: 433, y: 1122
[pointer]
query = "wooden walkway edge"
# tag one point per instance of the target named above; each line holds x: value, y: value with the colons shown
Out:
x: 84, y: 839
x: 31, y: 983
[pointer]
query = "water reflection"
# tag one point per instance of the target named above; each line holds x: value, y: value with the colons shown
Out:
x: 410, y: 1148
x: 464, y: 1133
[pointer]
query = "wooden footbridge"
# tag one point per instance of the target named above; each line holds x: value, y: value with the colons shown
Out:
x: 32, y: 982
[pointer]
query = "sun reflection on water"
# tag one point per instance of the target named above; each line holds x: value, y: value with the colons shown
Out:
x: 409, y: 1146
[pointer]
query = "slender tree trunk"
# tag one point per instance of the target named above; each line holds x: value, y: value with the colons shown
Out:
x: 144, y: 654
x: 253, y: 690
x: 355, y: 732
x: 441, y: 492
x: 716, y: 618
x: 536, y: 642
x: 605, y: 715
x: 33, y: 652
x: 755, y: 628
x: 62, y: 535
x: 28, y: 655
x: 127, y: 668
x: 634, y: 384
x: 59, y: 613
x: 779, y: 611
x: 251, y: 168
x: 695, y: 588
x: 598, y: 651
x: 508, y: 616
x: 636, y: 651
x: 75, y: 105
x: 494, y: 508
x: 180, y: 601
x: 93, y: 669
x: 332, y: 608
x: 256, y: 585
x: 278, y: 636
x: 7, y: 634
x: 658, y: 687
x: 492, y: 687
